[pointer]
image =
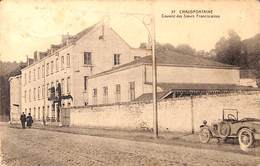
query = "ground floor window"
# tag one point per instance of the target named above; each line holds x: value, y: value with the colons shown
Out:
x: 118, y: 93
x: 39, y: 113
x: 34, y: 113
x: 94, y: 96
x: 131, y: 91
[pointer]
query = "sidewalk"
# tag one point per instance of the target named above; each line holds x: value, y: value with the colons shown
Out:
x: 168, y: 138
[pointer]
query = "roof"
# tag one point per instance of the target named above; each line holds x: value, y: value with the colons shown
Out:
x: 84, y: 32
x: 149, y: 96
x: 248, y: 74
x: 169, y: 88
x: 196, y: 86
x: 174, y: 59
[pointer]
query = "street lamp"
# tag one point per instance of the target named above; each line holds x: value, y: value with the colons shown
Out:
x: 151, y: 33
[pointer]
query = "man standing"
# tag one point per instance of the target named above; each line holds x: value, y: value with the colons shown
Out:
x: 23, y: 120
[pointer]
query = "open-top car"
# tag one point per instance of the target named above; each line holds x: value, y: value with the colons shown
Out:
x: 247, y: 130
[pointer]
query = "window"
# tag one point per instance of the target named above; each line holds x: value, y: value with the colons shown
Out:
x: 39, y: 113
x: 48, y: 92
x: 85, y: 82
x: 62, y: 62
x: 48, y: 114
x: 39, y: 92
x: 62, y: 86
x: 94, y: 96
x: 25, y: 78
x: 43, y: 113
x: 105, y: 95
x: 34, y: 113
x: 47, y: 69
x: 34, y: 94
x: 30, y: 76
x: 39, y: 72
x: 68, y: 85
x: 57, y: 82
x: 116, y: 59
x: 30, y: 95
x: 52, y: 67
x: 34, y: 74
x: 57, y: 64
x: 131, y: 91
x: 87, y: 58
x: 25, y: 96
x: 118, y: 93
x: 43, y: 71
x: 43, y: 91
x: 68, y: 60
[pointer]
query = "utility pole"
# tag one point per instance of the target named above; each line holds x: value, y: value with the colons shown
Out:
x: 154, y: 72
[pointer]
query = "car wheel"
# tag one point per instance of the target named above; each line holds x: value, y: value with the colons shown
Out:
x: 246, y: 138
x: 204, y: 135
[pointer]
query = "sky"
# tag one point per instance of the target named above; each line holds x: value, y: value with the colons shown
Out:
x: 26, y: 26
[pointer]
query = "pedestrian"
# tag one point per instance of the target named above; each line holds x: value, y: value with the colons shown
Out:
x: 29, y: 120
x: 23, y: 120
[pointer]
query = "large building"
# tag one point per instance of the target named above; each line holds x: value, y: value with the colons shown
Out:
x: 177, y: 74
x: 96, y: 66
x: 91, y: 51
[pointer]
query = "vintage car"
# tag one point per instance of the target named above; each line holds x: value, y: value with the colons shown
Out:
x: 247, y: 130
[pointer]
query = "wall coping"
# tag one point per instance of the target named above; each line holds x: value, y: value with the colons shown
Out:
x: 166, y: 100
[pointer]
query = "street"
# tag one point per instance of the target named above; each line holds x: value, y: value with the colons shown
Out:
x: 41, y: 147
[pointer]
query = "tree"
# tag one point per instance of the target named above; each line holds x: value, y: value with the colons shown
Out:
x: 229, y: 50
x: 185, y: 49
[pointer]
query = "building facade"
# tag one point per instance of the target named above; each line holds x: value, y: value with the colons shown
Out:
x: 15, y: 98
x: 91, y: 51
x: 130, y: 81
x: 96, y: 66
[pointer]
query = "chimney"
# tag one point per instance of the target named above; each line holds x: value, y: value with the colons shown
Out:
x: 35, y: 56
x: 65, y: 39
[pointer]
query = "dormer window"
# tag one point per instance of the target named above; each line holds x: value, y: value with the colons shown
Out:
x: 116, y: 59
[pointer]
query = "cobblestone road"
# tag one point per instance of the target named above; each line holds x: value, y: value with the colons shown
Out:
x: 37, y: 147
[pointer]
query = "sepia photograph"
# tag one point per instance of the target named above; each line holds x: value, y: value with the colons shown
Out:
x: 129, y: 83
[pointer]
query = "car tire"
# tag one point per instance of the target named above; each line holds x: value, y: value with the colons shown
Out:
x: 204, y: 135
x: 246, y: 138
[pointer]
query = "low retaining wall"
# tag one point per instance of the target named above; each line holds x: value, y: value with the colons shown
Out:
x: 182, y: 114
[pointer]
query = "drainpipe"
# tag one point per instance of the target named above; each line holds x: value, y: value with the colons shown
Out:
x: 192, y: 115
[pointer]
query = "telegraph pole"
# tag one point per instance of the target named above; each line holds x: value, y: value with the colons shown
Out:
x: 154, y: 72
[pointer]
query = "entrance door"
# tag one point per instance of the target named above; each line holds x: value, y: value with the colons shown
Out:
x: 65, y: 116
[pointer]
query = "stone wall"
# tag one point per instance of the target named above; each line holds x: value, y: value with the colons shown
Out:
x: 182, y: 114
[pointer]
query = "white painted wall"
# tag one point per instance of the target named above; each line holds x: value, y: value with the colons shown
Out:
x: 248, y: 82
x: 123, y: 78
x: 172, y: 74
x: 173, y: 115
x: 15, y: 98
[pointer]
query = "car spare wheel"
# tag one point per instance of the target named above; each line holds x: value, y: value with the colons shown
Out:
x: 204, y: 135
x: 246, y: 138
x: 224, y: 129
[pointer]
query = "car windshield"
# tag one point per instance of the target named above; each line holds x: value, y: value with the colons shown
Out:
x: 230, y: 114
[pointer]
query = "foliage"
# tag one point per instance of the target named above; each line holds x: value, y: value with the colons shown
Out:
x: 229, y: 50
x: 7, y: 70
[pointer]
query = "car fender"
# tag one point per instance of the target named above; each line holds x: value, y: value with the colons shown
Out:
x: 207, y: 127
x: 246, y: 128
